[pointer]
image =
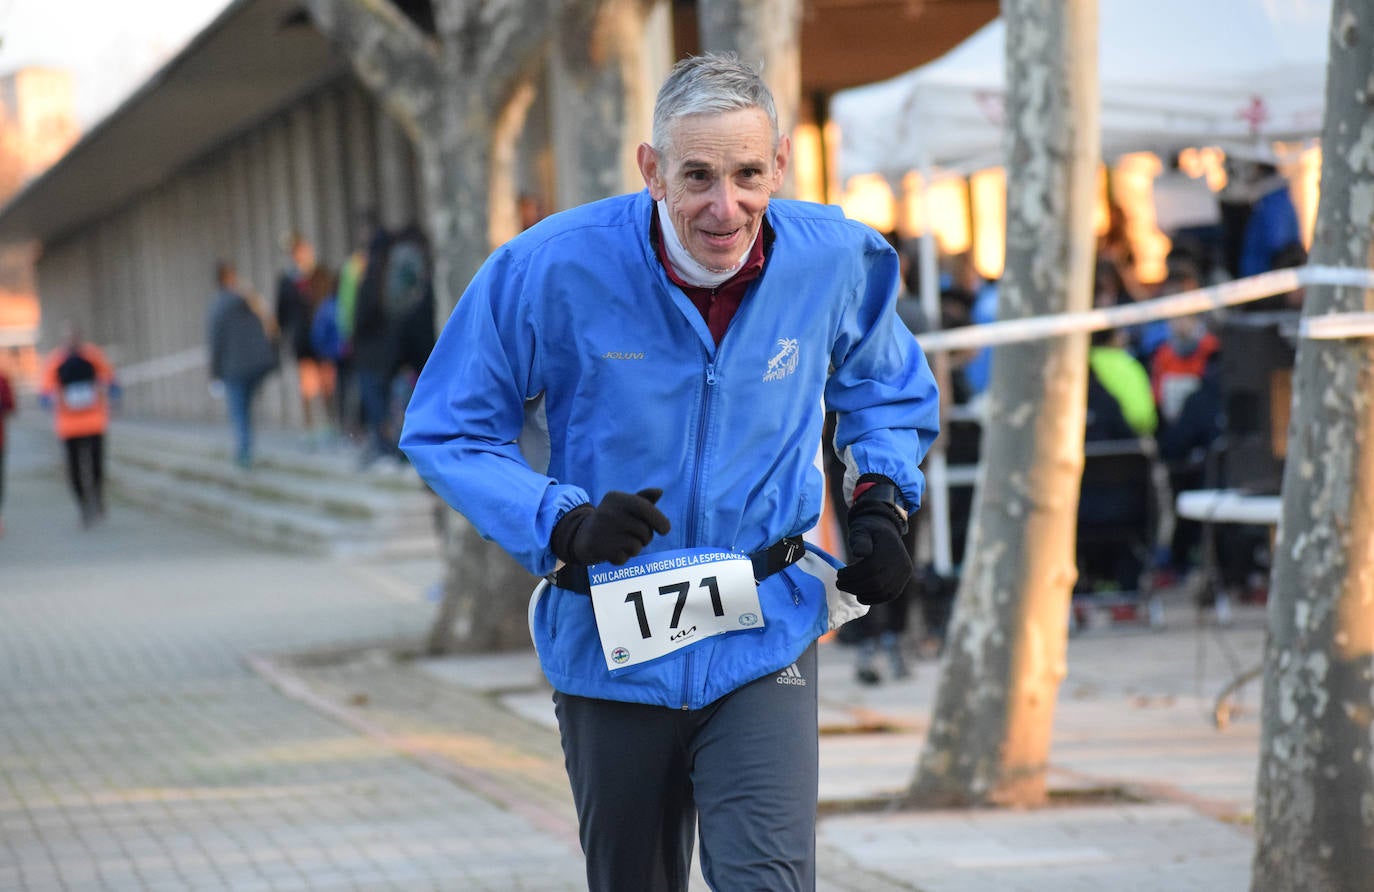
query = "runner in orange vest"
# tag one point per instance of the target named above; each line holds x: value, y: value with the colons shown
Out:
x: 78, y: 383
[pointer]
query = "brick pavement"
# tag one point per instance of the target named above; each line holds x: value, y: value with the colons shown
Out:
x: 138, y: 751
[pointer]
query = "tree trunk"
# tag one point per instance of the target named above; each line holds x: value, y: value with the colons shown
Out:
x: 1315, y: 803
x: 485, y: 591
x: 762, y: 32
x: 605, y: 61
x: 448, y: 91
x: 990, y: 733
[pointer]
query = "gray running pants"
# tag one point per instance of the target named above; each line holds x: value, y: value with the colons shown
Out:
x: 744, y: 768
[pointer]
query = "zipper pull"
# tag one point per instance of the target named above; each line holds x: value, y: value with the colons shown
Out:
x: 711, y: 375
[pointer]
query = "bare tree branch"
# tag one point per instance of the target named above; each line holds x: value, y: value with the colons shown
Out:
x: 494, y: 42
x: 393, y: 57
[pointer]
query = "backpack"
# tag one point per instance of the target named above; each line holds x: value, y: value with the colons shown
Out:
x: 325, y: 337
x: 76, y: 375
x: 407, y: 274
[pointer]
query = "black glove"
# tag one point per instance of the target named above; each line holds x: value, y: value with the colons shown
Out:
x: 879, y: 565
x: 615, y: 531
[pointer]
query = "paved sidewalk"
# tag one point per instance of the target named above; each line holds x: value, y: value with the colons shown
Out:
x: 138, y: 751
x: 182, y: 712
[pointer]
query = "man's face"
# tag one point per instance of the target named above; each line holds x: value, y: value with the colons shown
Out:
x: 717, y: 176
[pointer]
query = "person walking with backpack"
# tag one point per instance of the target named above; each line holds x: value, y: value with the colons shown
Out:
x: 241, y: 356
x: 78, y: 384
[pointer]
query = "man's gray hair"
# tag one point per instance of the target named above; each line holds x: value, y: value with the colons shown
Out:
x: 710, y: 83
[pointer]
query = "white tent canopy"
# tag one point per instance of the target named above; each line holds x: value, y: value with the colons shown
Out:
x: 1173, y: 73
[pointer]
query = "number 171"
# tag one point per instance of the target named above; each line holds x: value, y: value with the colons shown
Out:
x: 681, y: 589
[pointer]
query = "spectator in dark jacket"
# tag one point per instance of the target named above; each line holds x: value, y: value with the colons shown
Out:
x: 376, y: 351
x: 241, y: 355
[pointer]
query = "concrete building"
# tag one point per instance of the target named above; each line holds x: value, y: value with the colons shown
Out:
x: 255, y: 129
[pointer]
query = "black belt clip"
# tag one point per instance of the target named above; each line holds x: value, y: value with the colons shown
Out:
x: 781, y: 554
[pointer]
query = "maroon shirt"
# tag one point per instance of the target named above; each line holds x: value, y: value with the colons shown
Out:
x: 718, y: 304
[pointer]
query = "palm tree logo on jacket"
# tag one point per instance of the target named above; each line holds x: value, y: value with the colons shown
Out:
x: 784, y: 362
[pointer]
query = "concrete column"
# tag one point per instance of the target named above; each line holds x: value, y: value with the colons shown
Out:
x: 196, y: 211
x: 395, y: 176
x: 334, y: 241
x: 239, y: 247
x: 305, y: 172
x: 359, y: 158
x: 259, y: 210
x: 284, y: 213
x: 263, y: 225
x: 158, y: 231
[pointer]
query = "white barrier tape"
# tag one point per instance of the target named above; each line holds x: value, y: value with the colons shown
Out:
x: 163, y: 367
x: 1186, y: 303
x: 1334, y: 326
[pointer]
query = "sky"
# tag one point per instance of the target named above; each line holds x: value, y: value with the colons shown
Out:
x: 110, y: 46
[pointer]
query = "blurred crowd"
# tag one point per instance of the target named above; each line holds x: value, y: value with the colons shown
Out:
x: 355, y: 337
x: 1157, y: 421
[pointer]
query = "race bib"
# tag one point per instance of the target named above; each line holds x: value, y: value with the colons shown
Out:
x: 660, y: 603
x: 81, y: 395
x: 1174, y: 391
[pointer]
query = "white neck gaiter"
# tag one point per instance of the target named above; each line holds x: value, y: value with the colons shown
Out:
x: 684, y: 264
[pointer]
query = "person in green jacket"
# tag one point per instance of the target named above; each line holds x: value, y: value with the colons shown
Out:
x: 1122, y: 375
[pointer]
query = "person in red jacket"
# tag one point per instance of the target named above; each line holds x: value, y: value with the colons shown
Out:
x: 78, y: 383
x: 1177, y: 366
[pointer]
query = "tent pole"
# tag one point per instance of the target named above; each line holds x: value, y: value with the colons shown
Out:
x: 937, y: 482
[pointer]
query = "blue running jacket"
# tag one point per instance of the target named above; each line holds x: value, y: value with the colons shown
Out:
x: 576, y: 318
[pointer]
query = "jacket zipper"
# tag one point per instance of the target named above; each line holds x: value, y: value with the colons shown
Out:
x: 692, y: 504
x: 697, y: 462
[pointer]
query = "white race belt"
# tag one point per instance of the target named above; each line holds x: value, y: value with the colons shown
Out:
x: 79, y: 395
x: 656, y: 604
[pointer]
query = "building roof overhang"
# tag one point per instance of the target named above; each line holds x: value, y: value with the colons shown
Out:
x: 250, y: 61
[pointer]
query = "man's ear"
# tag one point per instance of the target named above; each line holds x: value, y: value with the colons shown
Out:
x: 651, y: 168
x: 781, y: 160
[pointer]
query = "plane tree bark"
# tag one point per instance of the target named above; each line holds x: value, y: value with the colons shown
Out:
x: 448, y: 90
x: 1314, y: 812
x: 766, y: 33
x: 989, y: 738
